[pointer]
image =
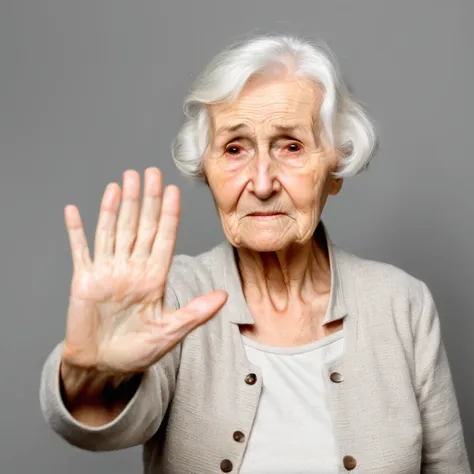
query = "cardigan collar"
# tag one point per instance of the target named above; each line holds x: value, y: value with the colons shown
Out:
x: 237, y: 309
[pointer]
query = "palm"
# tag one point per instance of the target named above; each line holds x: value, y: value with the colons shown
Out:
x: 116, y: 319
x: 120, y: 301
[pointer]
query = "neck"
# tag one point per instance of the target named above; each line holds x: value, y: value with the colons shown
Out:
x: 294, y: 276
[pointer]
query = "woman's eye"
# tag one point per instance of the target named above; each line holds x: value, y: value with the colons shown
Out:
x: 294, y: 147
x: 232, y: 150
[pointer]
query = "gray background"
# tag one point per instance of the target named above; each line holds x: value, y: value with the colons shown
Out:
x: 91, y: 88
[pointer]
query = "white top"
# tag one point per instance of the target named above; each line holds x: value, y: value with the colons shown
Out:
x: 292, y: 432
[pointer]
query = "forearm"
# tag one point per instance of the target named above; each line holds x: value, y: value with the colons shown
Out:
x: 130, y: 425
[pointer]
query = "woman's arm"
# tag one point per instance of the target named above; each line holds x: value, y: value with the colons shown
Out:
x: 89, y: 427
x: 444, y: 449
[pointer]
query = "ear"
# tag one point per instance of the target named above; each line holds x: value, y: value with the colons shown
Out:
x: 336, y: 185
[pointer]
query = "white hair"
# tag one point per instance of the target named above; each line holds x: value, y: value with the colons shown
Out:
x: 344, y: 121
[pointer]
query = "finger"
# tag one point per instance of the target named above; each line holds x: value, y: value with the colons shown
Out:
x: 165, y: 240
x: 150, y: 214
x: 77, y: 238
x: 128, y: 217
x: 104, y: 242
x: 180, y: 323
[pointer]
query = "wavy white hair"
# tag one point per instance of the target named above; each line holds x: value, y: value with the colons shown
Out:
x: 344, y: 121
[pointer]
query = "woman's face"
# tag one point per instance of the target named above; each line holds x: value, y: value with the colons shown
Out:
x: 268, y: 164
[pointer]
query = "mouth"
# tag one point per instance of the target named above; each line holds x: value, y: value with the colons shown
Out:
x: 266, y: 214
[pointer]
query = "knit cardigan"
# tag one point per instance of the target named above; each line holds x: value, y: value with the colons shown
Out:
x: 390, y: 394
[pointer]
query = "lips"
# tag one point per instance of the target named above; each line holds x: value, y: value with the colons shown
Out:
x: 265, y: 214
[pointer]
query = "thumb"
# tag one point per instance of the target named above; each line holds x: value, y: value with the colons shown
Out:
x: 199, y: 311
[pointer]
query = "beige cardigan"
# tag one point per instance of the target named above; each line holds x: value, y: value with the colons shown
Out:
x: 391, y: 394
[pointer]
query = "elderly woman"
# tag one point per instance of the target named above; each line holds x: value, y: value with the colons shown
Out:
x: 275, y: 351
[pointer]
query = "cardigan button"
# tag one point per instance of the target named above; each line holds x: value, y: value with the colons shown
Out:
x: 238, y: 436
x: 336, y: 377
x: 250, y: 379
x: 349, y: 463
x: 226, y: 465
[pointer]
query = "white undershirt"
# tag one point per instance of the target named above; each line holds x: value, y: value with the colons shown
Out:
x: 292, y: 432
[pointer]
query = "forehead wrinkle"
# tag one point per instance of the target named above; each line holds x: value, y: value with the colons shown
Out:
x: 279, y: 122
x: 258, y: 111
x: 279, y: 103
x: 284, y: 106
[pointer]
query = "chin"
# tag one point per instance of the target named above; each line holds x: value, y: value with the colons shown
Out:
x: 264, y: 242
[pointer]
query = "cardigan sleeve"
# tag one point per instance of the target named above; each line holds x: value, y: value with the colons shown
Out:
x: 135, y: 425
x: 444, y: 450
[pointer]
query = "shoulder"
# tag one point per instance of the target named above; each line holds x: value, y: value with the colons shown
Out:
x: 383, y: 286
x: 377, y: 276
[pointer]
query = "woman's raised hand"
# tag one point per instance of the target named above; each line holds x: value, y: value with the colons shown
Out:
x: 116, y: 321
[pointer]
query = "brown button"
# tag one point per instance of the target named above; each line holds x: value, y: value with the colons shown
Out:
x: 250, y: 379
x: 239, y: 436
x: 336, y: 377
x: 226, y: 465
x: 349, y: 463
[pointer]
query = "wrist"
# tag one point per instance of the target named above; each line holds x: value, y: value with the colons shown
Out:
x: 81, y: 385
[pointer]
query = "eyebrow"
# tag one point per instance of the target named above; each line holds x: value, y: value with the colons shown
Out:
x: 289, y: 128
x: 280, y: 128
x: 231, y: 128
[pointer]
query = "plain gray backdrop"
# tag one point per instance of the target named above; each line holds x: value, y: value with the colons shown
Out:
x: 91, y: 88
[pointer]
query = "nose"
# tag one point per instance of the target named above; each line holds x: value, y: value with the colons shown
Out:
x: 263, y: 178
